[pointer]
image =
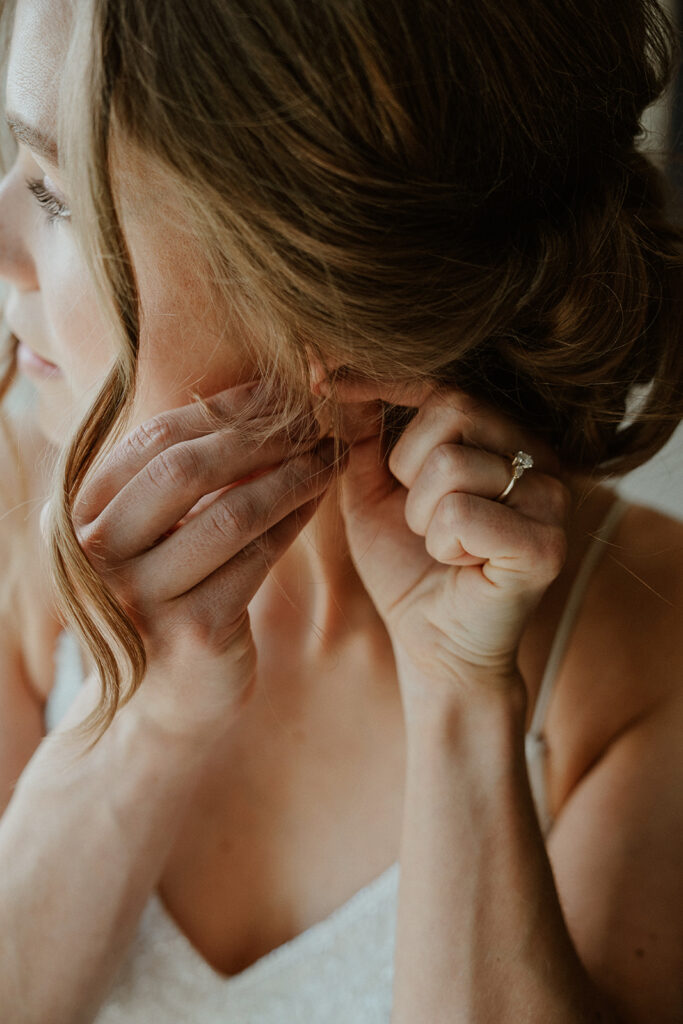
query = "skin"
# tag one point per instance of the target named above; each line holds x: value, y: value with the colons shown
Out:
x: 484, y: 581
x: 52, y: 304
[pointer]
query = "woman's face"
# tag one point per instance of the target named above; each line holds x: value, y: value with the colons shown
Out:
x: 186, y: 342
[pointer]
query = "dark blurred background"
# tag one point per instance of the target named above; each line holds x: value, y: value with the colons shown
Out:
x: 675, y: 168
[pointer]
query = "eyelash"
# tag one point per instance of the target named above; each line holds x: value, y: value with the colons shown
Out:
x: 54, y: 209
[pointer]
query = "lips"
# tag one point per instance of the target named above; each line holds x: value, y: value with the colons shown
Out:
x: 33, y: 364
x: 18, y: 340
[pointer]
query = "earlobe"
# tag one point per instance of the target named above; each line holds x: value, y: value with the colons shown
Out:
x: 317, y: 374
x: 320, y: 372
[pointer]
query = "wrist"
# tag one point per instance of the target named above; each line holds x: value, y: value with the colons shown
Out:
x: 445, y: 709
x: 190, y: 705
x: 190, y: 735
x: 451, y: 684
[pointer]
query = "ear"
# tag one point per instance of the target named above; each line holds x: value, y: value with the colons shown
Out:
x: 355, y: 388
x: 319, y: 372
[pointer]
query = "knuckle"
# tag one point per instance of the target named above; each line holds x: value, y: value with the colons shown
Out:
x: 448, y: 461
x: 93, y: 541
x: 234, y: 517
x: 460, y: 408
x: 177, y: 466
x: 455, y: 509
x: 433, y: 414
x: 435, y: 546
x: 153, y: 433
x: 452, y: 412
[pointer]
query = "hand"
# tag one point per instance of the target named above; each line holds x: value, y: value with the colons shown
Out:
x: 183, y: 521
x: 454, y: 574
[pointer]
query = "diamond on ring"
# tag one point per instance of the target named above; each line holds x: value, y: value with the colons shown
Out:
x: 520, y: 462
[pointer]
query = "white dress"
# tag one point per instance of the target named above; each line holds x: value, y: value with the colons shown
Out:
x: 338, y: 971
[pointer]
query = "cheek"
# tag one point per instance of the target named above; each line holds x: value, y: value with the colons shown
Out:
x: 81, y: 337
x: 76, y: 338
x: 177, y: 360
x: 189, y: 343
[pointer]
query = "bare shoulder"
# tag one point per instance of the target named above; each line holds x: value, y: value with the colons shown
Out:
x: 617, y: 841
x: 644, y: 567
x: 625, y: 655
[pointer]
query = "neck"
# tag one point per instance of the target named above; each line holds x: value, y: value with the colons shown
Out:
x: 314, y: 587
x: 314, y: 598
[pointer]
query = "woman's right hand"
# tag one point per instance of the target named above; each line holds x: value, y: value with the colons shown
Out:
x: 184, y: 550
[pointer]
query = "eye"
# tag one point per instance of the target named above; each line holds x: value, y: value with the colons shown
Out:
x: 53, y: 207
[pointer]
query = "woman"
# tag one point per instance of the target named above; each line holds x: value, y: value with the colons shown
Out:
x: 336, y: 318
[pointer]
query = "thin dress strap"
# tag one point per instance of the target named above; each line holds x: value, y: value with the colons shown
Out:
x: 536, y: 743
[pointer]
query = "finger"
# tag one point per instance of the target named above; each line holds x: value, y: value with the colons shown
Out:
x: 459, y: 418
x: 161, y: 432
x: 213, y: 605
x: 458, y: 467
x: 515, y: 550
x: 233, y: 521
x: 166, y: 488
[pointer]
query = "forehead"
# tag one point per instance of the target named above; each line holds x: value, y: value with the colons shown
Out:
x: 39, y: 40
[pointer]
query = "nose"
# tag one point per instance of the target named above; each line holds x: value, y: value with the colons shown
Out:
x: 17, y: 267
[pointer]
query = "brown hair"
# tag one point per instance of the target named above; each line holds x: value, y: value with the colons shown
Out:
x: 439, y: 190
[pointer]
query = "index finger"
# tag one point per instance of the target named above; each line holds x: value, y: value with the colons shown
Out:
x: 458, y: 418
x: 149, y: 439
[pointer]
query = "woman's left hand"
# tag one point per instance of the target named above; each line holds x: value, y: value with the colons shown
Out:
x: 454, y: 574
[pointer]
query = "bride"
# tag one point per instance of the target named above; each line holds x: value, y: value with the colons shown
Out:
x: 339, y: 685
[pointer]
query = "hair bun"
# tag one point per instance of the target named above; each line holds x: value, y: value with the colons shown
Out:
x: 601, y: 322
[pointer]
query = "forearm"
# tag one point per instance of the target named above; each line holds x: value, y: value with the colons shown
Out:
x: 82, y: 843
x: 481, y: 937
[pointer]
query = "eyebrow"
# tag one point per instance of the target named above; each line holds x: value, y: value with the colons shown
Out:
x: 32, y: 137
